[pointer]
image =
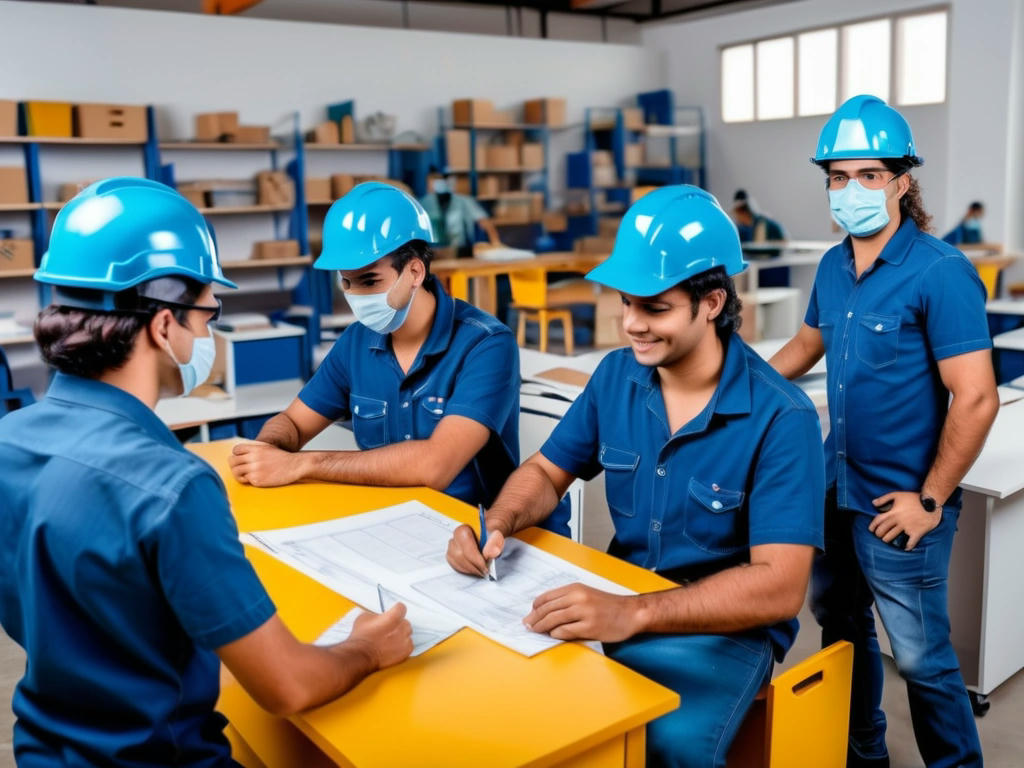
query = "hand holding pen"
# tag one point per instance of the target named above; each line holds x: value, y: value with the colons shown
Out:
x: 490, y: 562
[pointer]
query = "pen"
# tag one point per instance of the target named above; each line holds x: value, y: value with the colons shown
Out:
x: 492, y: 570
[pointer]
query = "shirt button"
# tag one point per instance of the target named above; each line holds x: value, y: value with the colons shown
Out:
x: 656, y: 526
x: 878, y: 327
x: 840, y: 387
x: 661, y: 471
x: 849, y: 314
x: 839, y: 421
x: 405, y: 404
x: 716, y: 504
x: 408, y: 437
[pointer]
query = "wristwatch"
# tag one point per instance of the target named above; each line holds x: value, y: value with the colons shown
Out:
x: 928, y: 503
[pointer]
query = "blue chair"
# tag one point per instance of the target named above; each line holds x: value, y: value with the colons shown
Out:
x: 11, y: 398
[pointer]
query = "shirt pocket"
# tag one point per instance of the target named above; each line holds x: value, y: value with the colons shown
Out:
x: 878, y: 339
x: 619, y: 478
x: 369, y: 421
x: 429, y: 411
x: 713, y: 518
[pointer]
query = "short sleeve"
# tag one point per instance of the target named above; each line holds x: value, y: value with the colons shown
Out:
x: 327, y: 392
x: 474, y: 210
x: 209, y: 584
x: 787, y: 496
x: 573, y: 444
x: 953, y: 298
x: 487, y: 386
x: 811, y: 316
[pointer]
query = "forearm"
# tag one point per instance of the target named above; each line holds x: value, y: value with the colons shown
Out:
x: 281, y: 431
x: 492, y: 232
x: 794, y: 359
x: 409, y: 463
x: 324, y: 674
x: 963, y: 435
x: 526, y: 499
x: 733, y: 600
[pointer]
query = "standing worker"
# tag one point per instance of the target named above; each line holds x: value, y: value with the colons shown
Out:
x: 968, y: 231
x: 900, y: 318
x: 714, y: 478
x: 121, y: 572
x: 454, y: 218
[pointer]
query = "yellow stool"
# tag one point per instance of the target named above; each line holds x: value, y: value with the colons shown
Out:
x: 534, y: 301
x: 802, y: 717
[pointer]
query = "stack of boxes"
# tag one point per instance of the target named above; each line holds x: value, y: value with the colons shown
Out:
x: 224, y: 127
x: 15, y: 253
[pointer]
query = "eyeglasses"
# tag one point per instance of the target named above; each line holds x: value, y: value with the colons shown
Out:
x: 869, y: 179
x: 214, y: 311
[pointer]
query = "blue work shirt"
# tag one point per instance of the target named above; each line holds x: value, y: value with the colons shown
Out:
x: 120, y: 572
x: 747, y: 470
x: 468, y: 366
x: 884, y: 333
x: 962, y: 234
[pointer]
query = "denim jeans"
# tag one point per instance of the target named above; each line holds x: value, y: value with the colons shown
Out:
x: 716, y: 677
x: 909, y: 588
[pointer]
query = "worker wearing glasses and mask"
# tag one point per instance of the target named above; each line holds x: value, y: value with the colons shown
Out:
x: 900, y: 318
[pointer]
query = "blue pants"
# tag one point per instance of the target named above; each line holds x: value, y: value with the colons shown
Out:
x: 909, y: 588
x: 716, y: 677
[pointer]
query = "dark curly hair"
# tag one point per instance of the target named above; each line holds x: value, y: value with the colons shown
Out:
x: 88, y: 343
x: 699, y: 286
x: 911, y: 204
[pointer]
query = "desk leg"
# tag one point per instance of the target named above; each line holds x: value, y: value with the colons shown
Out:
x: 459, y: 286
x: 636, y: 748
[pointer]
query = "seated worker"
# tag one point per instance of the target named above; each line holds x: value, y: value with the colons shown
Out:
x: 968, y: 231
x: 714, y: 476
x: 454, y: 217
x: 755, y: 227
x: 121, y: 572
x: 431, y: 384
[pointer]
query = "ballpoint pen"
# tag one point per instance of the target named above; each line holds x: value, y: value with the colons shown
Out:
x: 492, y: 568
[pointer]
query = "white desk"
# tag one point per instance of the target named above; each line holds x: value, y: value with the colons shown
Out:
x: 249, y: 400
x: 1009, y: 340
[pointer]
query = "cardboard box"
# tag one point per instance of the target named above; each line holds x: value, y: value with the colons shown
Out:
x: 110, y: 121
x: 536, y: 206
x: 608, y: 226
x: 318, y: 190
x: 69, y: 189
x: 8, y: 118
x: 324, y: 133
x: 555, y: 221
x: 250, y: 134
x: 513, y: 210
x: 608, y: 320
x: 531, y: 155
x: 48, y: 118
x: 634, y: 155
x: 602, y: 157
x: 544, y: 112
x: 457, y: 149
x: 16, y: 254
x: 341, y: 184
x: 13, y: 184
x: 604, y: 176
x: 487, y: 186
x: 463, y: 187
x: 594, y: 244
x: 633, y: 118
x: 502, y: 117
x: 501, y: 156
x: 275, y: 249
x: 472, y: 111
x: 481, y: 156
x: 347, y: 130
x: 194, y: 194
x: 216, y: 126
x: 275, y: 188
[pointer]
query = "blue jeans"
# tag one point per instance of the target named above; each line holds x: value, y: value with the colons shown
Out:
x: 716, y: 677
x: 909, y: 588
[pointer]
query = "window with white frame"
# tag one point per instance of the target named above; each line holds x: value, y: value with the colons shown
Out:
x: 900, y: 58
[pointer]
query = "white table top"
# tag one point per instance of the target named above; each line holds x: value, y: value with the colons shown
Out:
x: 1009, y: 340
x: 249, y: 400
x: 999, y: 471
x: 1005, y: 307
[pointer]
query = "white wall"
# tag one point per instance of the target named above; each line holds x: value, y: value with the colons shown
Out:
x: 964, y: 141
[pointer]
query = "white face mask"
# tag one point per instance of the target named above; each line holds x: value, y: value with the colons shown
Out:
x: 440, y: 186
x: 374, y: 311
x: 859, y: 211
x: 197, y: 369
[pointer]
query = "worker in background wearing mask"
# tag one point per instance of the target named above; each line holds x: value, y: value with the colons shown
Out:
x: 121, y: 572
x: 900, y: 318
x: 454, y: 217
x: 968, y: 231
x: 430, y: 383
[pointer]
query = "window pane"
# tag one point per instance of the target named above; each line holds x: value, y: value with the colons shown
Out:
x: 738, y: 83
x: 921, y: 48
x: 817, y: 71
x: 866, y: 59
x: 775, y: 78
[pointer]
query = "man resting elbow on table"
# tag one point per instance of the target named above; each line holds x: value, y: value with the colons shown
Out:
x: 431, y: 384
x: 714, y: 476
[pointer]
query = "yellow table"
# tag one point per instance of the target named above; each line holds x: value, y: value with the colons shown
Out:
x: 466, y: 702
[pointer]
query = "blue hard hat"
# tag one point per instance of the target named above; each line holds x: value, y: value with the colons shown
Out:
x: 123, y: 231
x: 370, y: 222
x: 865, y: 126
x: 668, y: 236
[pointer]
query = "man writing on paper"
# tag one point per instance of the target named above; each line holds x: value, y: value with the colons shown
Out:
x: 714, y: 477
x: 431, y: 384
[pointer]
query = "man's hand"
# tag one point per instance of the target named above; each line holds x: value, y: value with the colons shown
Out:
x: 265, y: 465
x: 464, y: 553
x: 905, y: 515
x: 578, y: 612
x: 386, y: 638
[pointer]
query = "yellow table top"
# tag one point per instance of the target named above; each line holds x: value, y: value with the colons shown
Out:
x: 468, y: 701
x: 556, y: 261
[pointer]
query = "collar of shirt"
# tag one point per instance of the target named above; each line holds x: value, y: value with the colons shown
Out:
x: 731, y: 396
x: 441, y: 328
x: 97, y: 394
x: 894, y: 251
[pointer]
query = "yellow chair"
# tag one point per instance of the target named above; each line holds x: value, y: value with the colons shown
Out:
x: 989, y: 269
x: 801, y: 717
x: 535, y: 301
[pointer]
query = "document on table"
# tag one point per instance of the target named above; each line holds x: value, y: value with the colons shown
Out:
x: 402, y: 549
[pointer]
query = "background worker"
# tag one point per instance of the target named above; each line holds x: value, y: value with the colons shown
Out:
x: 713, y: 475
x: 968, y: 230
x: 121, y: 572
x: 900, y: 318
